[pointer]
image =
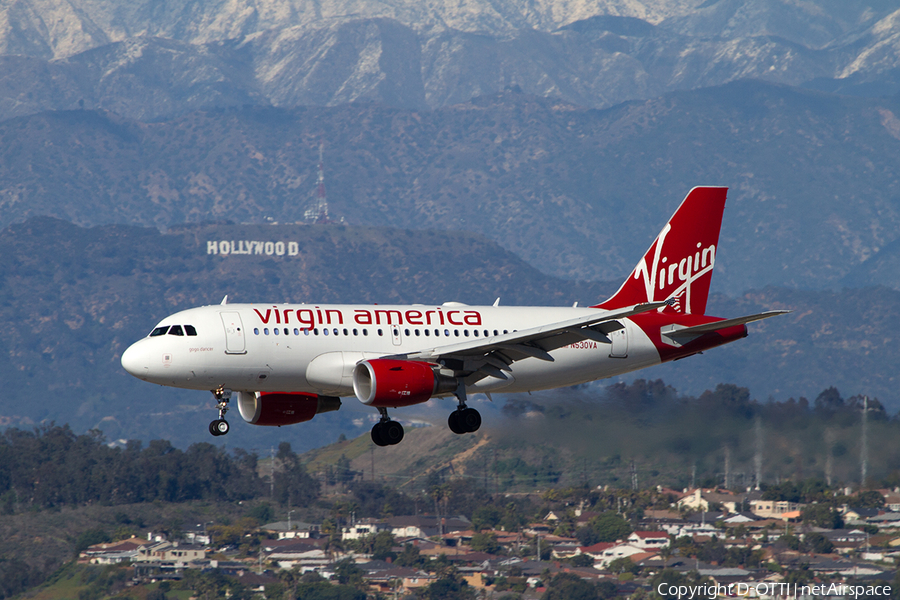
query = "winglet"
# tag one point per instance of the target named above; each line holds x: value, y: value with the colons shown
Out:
x: 224, y: 300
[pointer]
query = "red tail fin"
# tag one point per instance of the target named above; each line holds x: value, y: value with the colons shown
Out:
x: 680, y: 261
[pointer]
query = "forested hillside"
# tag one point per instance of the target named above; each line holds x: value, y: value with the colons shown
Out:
x: 578, y: 193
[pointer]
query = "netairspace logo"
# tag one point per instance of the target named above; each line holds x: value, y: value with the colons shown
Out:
x: 763, y: 590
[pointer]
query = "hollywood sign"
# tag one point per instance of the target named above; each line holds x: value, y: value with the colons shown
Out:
x: 247, y: 247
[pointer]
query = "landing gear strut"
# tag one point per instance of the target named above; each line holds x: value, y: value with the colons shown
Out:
x: 463, y: 419
x: 386, y: 432
x: 220, y: 426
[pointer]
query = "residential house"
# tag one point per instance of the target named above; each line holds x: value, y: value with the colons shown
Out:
x: 616, y: 551
x: 304, y: 554
x: 891, y: 499
x: 114, y: 552
x: 773, y: 509
x: 704, y: 500
x: 363, y: 528
x: 172, y: 552
x: 426, y: 526
x: 649, y: 540
x: 293, y: 529
x: 885, y: 521
x: 396, y: 580
x: 197, y: 535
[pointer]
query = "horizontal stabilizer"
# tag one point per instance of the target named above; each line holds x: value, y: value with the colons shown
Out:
x: 716, y: 326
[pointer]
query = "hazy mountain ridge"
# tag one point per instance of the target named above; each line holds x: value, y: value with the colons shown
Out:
x: 58, y: 28
x: 578, y: 193
x: 148, y: 64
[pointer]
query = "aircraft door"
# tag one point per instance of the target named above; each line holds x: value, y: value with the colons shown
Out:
x: 235, y: 342
x: 619, y: 338
x: 396, y: 335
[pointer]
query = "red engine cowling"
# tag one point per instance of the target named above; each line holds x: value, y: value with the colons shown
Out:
x: 390, y: 383
x: 283, y: 408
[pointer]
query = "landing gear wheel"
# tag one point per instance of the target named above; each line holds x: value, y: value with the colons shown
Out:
x: 377, y: 435
x: 470, y: 419
x: 387, y: 433
x: 219, y: 427
x: 464, y: 420
x: 392, y: 432
x: 454, y: 422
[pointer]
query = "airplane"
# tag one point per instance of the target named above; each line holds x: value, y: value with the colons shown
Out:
x: 286, y: 363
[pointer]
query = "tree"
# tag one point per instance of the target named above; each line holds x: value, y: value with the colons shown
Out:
x: 486, y: 517
x: 484, y: 542
x: 816, y: 542
x: 568, y: 586
x: 623, y: 565
x: 293, y: 485
x: 447, y: 588
x: 582, y: 560
x: 382, y: 546
x: 870, y: 499
x: 347, y: 573
x: 822, y: 515
x: 410, y: 557
x: 607, y: 527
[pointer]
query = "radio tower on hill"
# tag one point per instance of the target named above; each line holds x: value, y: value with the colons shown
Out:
x: 318, y: 213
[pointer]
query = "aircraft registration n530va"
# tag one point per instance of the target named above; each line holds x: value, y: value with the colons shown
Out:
x: 285, y: 363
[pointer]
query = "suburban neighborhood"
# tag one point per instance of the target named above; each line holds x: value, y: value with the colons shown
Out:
x: 711, y: 537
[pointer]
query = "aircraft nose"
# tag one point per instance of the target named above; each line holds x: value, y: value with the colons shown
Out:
x: 136, y: 361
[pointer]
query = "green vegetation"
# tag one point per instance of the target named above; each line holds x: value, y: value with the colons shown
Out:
x: 129, y: 489
x: 648, y: 430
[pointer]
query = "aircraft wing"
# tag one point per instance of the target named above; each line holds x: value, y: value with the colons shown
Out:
x: 492, y: 356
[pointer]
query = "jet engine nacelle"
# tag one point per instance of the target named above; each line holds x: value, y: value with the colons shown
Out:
x: 385, y: 382
x: 283, y: 408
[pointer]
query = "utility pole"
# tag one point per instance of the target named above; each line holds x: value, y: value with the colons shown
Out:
x: 864, y: 451
x: 758, y: 455
x: 272, y: 474
x: 727, y: 468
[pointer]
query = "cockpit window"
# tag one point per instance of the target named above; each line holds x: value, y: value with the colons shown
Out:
x: 159, y: 331
x: 189, y: 329
x: 176, y: 330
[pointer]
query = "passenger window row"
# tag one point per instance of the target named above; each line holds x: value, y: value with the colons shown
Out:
x: 174, y: 330
x: 365, y: 332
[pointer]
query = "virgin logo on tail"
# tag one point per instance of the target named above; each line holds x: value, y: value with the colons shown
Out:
x: 679, y: 263
x: 674, y: 278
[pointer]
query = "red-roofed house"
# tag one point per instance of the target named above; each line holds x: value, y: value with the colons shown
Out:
x: 596, y: 551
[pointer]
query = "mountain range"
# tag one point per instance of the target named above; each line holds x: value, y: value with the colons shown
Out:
x: 151, y: 61
x: 577, y: 192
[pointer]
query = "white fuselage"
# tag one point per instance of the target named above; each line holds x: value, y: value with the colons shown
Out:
x: 314, y: 348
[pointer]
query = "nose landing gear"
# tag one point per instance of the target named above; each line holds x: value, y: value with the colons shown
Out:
x: 386, y: 432
x: 463, y: 419
x: 220, y: 426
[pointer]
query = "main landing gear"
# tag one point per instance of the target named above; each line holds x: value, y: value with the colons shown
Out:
x: 386, y: 432
x: 463, y: 419
x: 220, y: 426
